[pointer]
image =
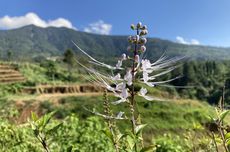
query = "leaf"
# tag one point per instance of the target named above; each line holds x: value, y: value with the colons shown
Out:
x: 33, y: 125
x: 139, y: 128
x: 108, y: 134
x: 130, y: 142
x: 148, y: 149
x: 47, y: 118
x: 69, y: 149
x: 55, y: 128
x: 224, y: 114
x: 227, y: 136
x: 228, y: 143
x: 34, y: 116
x: 121, y: 136
x: 129, y: 133
x: 218, y: 140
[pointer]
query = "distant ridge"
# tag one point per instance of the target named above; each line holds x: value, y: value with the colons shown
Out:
x: 31, y: 41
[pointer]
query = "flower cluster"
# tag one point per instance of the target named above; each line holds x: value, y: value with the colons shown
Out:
x: 120, y: 84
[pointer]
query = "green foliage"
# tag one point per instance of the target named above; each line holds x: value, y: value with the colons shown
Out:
x: 70, y: 133
x: 69, y: 57
x: 52, y: 41
x: 204, y: 79
x: 168, y: 144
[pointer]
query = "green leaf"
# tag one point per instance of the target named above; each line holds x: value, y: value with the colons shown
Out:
x: 148, y: 149
x: 121, y: 136
x: 47, y: 118
x: 224, y: 114
x: 55, y: 128
x: 130, y: 142
x: 69, y: 149
x: 129, y: 133
x: 34, y: 116
x: 139, y: 128
x: 228, y: 143
x: 227, y: 136
x: 218, y: 140
x: 33, y: 125
x: 108, y: 134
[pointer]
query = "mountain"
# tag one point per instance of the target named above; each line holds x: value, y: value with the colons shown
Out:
x: 31, y: 41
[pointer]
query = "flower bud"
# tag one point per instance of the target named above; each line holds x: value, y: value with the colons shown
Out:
x: 123, y: 56
x: 132, y: 26
x: 137, y: 58
x: 144, y: 32
x: 134, y: 39
x: 129, y: 48
x: 130, y: 39
x: 143, y: 40
x: 139, y: 25
x: 143, y: 48
x: 137, y: 38
x: 144, y: 27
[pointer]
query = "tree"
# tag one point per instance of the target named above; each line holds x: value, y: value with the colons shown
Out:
x: 69, y: 60
x: 51, y: 69
x: 9, y: 55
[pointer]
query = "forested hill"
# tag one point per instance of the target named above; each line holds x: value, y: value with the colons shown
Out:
x: 31, y: 41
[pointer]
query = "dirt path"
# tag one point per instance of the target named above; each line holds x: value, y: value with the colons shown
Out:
x: 59, y: 95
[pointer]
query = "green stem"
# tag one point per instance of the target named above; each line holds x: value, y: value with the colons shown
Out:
x: 214, y: 140
x: 133, y: 105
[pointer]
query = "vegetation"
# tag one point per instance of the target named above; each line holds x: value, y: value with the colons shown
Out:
x: 33, y: 43
x: 177, y: 119
x: 69, y: 59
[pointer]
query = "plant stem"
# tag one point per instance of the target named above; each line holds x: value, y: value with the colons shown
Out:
x: 220, y: 128
x: 214, y: 140
x: 43, y: 142
x: 133, y: 103
x: 223, y: 140
x: 110, y: 123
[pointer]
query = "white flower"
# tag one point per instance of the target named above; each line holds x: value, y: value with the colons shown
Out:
x: 143, y: 93
x: 123, y: 57
x: 137, y: 58
x: 146, y: 66
x: 123, y: 95
x: 128, y: 77
x: 119, y: 64
x: 119, y: 115
x: 162, y: 64
x: 116, y: 77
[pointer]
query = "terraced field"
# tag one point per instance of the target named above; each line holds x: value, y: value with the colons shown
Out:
x: 9, y: 74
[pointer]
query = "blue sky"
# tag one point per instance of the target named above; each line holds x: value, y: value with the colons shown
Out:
x: 205, y: 22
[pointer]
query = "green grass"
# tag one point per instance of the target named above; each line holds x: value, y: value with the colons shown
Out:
x: 159, y: 115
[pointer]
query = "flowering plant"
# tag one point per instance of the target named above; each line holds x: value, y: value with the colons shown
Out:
x: 121, y: 82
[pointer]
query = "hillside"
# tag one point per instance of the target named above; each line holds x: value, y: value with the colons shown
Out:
x: 31, y: 41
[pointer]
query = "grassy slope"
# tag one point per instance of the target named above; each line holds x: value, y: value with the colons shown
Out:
x: 161, y: 116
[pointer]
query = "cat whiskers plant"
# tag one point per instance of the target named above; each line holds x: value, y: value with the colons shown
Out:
x: 123, y: 79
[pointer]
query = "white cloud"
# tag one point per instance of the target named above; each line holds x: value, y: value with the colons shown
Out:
x: 8, y: 22
x: 99, y: 27
x: 181, y: 40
